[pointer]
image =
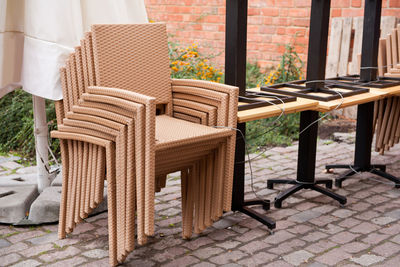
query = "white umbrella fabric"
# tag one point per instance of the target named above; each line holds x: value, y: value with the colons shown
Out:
x: 36, y: 37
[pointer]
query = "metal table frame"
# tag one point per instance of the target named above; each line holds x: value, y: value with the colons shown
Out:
x: 368, y: 73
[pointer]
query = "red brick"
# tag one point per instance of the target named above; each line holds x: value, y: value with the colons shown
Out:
x: 394, y: 3
x: 356, y: 3
x: 340, y: 3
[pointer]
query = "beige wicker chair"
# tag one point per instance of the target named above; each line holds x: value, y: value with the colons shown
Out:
x: 119, y: 62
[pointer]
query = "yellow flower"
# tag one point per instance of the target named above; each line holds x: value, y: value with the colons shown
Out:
x: 184, y: 56
x: 175, y: 68
x: 174, y: 63
x: 219, y: 73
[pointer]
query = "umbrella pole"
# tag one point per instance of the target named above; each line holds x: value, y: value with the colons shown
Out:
x: 41, y: 141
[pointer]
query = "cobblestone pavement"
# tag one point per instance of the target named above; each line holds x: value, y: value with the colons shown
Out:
x: 312, y: 230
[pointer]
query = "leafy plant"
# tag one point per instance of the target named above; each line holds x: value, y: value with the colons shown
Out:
x: 16, y: 124
x: 263, y: 132
x: 188, y: 63
x: 290, y: 68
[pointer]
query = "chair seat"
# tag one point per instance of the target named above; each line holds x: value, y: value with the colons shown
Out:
x: 171, y: 132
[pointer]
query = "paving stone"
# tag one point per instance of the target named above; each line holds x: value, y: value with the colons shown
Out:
x: 23, y: 236
x: 316, y: 264
x: 364, y: 228
x: 252, y: 234
x: 354, y: 247
x: 222, y: 234
x: 204, y: 264
x: 58, y: 255
x: 343, y: 213
x: 254, y: 246
x: 298, y: 257
x: 305, y: 216
x: 333, y: 257
x: 96, y: 253
x: 288, y: 246
x: 375, y: 238
x: 321, y: 246
x: 368, y: 259
x: 395, y: 214
x: 314, y: 236
x: 36, y: 250
x: 13, y: 248
x: 279, y: 263
x: 10, y: 165
x: 228, y: 257
x: 4, y: 243
x: 349, y: 222
x: 27, y: 263
x: 343, y: 237
x: 258, y: 259
x: 69, y: 262
x: 278, y: 237
x: 199, y: 242
x: 300, y: 229
x: 15, y: 205
x: 103, y: 263
x: 205, y: 253
x: 184, y: 261
x: 387, y: 249
x: 9, y: 259
x: 44, y: 239
x: 383, y: 220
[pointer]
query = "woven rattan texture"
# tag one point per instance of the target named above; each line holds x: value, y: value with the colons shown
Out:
x: 134, y: 58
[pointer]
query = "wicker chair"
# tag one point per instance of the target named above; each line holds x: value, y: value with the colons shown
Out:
x: 135, y: 58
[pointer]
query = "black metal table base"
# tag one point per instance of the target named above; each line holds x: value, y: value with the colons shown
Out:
x: 299, y: 186
x: 377, y: 169
x: 256, y: 215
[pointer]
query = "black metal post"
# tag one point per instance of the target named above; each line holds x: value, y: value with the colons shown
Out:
x: 317, y: 44
x: 235, y: 74
x: 368, y: 71
x: 236, y: 44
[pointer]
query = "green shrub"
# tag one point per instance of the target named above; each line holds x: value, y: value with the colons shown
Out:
x: 262, y: 132
x: 16, y: 124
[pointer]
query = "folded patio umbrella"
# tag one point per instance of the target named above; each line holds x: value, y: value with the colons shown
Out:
x: 37, y: 36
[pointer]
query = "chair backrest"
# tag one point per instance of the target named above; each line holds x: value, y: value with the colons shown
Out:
x: 133, y: 57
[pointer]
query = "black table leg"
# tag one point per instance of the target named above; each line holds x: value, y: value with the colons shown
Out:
x: 362, y: 155
x: 238, y: 202
x: 306, y: 164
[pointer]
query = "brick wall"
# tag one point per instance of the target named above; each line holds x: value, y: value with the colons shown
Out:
x: 271, y: 24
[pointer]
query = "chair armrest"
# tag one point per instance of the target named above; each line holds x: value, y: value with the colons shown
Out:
x: 232, y: 92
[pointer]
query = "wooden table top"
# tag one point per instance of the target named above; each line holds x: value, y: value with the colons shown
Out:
x: 395, y: 90
x: 302, y: 104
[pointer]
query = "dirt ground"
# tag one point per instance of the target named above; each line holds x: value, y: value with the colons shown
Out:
x: 328, y: 127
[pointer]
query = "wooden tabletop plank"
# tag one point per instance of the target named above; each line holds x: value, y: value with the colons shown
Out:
x: 325, y: 106
x: 300, y: 104
x: 395, y: 90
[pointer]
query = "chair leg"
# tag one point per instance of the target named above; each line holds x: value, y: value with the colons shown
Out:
x: 184, y: 181
x: 64, y: 192
x: 208, y: 193
x: 88, y: 180
x: 82, y: 213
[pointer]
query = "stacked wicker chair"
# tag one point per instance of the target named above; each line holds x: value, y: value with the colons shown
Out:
x: 387, y: 111
x: 113, y: 86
